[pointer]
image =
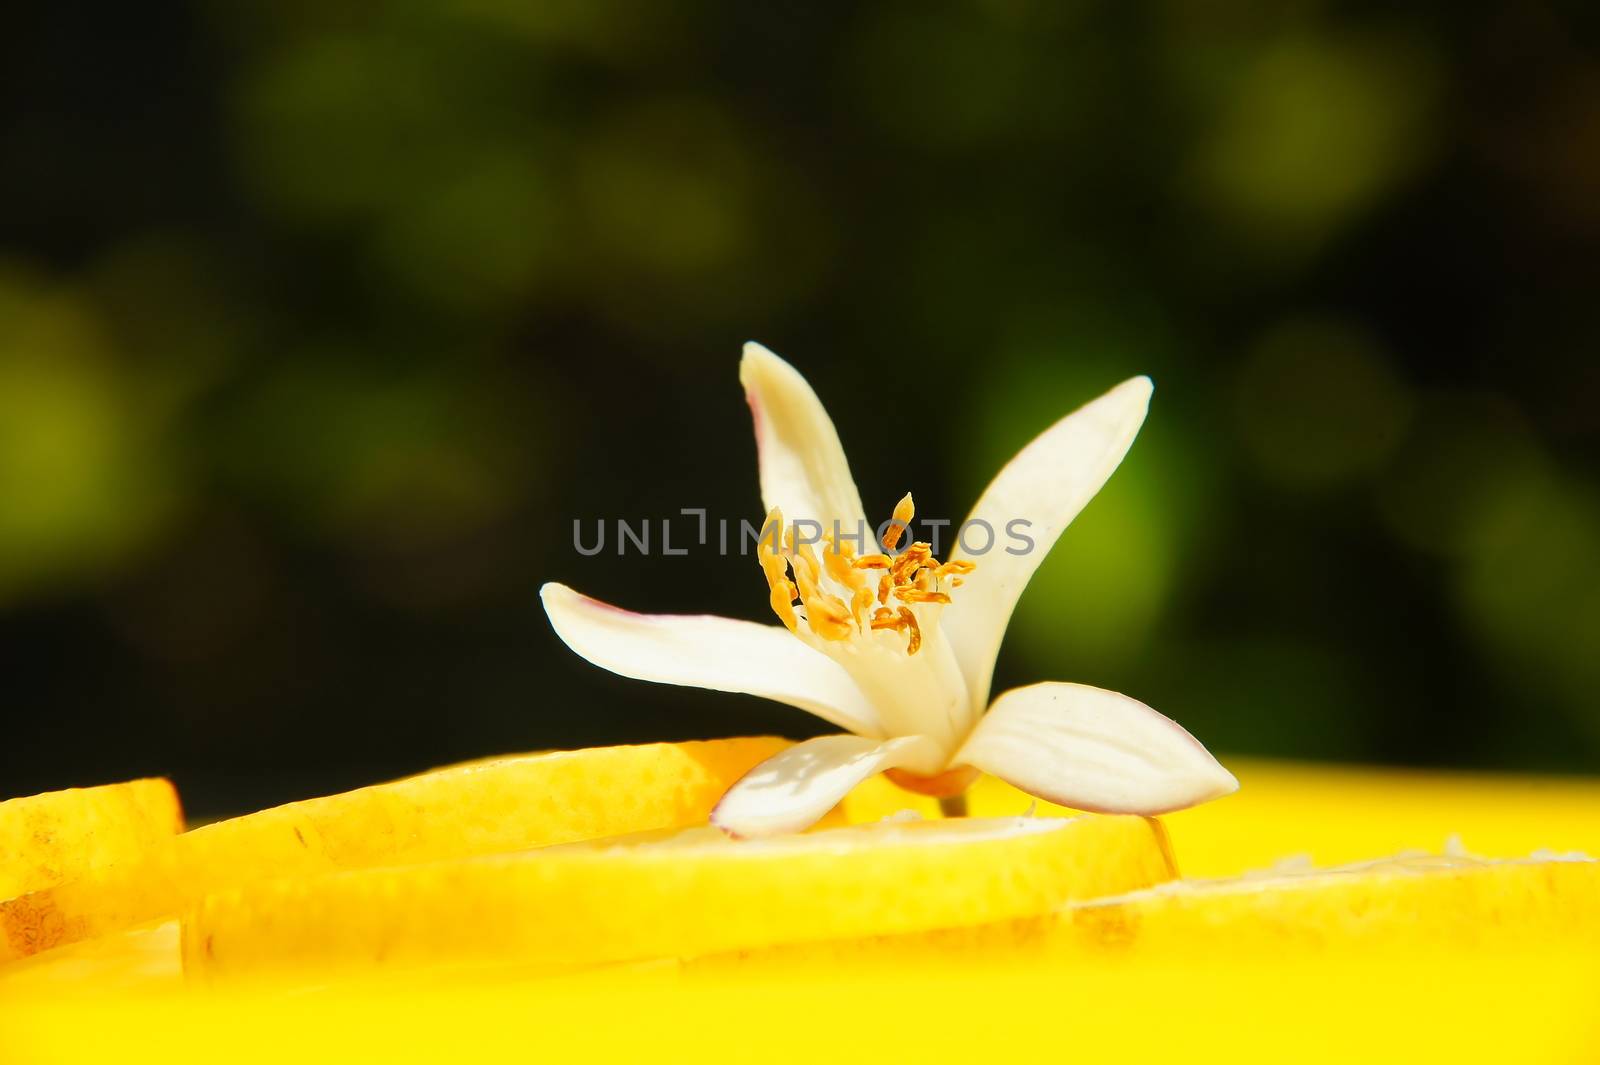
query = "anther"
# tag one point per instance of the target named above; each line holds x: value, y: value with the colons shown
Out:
x: 920, y: 595
x: 903, y: 513
x: 836, y: 595
x: 914, y: 642
x: 913, y: 558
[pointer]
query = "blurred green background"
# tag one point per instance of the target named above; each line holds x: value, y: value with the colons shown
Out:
x: 320, y: 323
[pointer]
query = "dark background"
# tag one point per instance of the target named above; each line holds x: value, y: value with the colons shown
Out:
x: 320, y: 323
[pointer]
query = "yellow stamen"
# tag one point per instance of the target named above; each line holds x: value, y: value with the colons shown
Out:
x: 920, y: 595
x: 914, y: 642
x: 828, y: 617
x: 904, y: 511
x: 860, y: 602
x: 903, y: 621
x: 837, y: 563
x: 803, y: 554
x: 781, y: 590
x: 913, y: 558
x: 836, y: 591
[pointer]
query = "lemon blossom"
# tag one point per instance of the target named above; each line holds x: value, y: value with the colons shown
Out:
x: 898, y: 649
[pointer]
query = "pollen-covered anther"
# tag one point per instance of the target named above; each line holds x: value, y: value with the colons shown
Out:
x: 902, y: 621
x: 829, y: 617
x: 914, y: 641
x: 920, y: 595
x: 910, y: 560
x: 873, y: 562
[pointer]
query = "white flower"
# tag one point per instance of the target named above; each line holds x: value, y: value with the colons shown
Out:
x: 899, y: 651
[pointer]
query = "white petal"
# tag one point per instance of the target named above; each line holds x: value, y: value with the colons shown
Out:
x: 1046, y: 484
x: 793, y: 789
x: 704, y: 651
x: 803, y: 468
x: 1092, y: 749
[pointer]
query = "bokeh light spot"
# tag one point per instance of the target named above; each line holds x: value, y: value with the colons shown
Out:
x: 1316, y: 402
x: 82, y: 471
x: 1313, y: 131
x: 1463, y: 453
x: 1531, y: 589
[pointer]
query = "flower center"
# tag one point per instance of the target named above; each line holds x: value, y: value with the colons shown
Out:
x: 843, y: 595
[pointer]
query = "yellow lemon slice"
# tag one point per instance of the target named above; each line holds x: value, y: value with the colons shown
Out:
x: 675, y: 897
x: 1336, y: 814
x: 481, y: 807
x: 143, y: 960
x: 478, y: 807
x: 1448, y: 901
x: 78, y: 836
x: 63, y: 835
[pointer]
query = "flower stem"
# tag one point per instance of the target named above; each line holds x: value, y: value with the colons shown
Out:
x: 954, y: 805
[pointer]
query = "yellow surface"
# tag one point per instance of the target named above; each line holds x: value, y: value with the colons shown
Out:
x: 1356, y: 998
x: 63, y: 853
x: 482, y: 807
x: 1333, y: 815
x: 669, y: 898
x: 1425, y: 1007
